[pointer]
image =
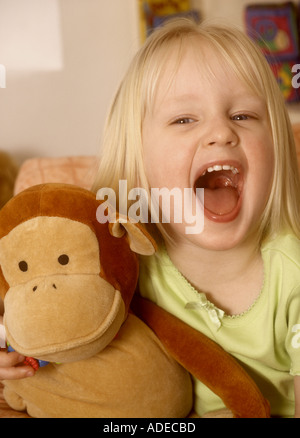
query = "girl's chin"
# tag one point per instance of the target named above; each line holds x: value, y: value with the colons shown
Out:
x: 214, y: 237
x: 224, y: 238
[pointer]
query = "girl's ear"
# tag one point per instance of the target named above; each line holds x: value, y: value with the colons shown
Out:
x: 139, y: 240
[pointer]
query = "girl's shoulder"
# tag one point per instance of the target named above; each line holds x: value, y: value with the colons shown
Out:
x: 284, y: 247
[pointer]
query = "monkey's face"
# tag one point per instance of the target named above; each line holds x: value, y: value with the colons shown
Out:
x: 58, y: 307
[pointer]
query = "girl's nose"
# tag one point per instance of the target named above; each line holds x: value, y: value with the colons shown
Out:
x: 221, y: 134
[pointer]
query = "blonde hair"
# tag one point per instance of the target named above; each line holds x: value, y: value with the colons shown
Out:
x: 122, y: 151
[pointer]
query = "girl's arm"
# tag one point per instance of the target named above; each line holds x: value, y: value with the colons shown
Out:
x: 297, y: 396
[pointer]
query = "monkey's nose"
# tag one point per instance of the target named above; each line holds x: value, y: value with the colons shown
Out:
x: 35, y: 287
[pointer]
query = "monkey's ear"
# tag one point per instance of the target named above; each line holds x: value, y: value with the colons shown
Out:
x: 139, y: 240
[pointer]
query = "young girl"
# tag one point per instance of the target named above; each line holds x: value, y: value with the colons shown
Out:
x: 200, y: 108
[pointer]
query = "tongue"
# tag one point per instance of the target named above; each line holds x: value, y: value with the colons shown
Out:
x: 220, y: 191
x: 221, y: 200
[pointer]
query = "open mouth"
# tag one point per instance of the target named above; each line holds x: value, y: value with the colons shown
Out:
x: 222, y: 184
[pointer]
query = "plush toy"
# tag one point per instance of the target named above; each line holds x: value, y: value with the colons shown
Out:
x: 67, y: 282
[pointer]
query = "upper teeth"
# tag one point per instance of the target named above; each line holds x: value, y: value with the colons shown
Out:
x: 219, y: 167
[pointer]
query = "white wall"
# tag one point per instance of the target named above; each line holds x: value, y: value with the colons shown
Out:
x: 63, y: 61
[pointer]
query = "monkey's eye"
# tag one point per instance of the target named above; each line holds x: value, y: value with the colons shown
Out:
x: 23, y: 266
x: 63, y: 259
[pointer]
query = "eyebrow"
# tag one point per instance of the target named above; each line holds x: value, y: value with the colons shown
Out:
x: 251, y: 98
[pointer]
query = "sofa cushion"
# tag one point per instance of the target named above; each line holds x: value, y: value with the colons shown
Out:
x: 78, y: 170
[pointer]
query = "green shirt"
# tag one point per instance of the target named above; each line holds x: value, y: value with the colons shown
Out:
x: 265, y: 338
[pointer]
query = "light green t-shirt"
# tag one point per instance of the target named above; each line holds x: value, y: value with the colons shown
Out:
x: 265, y: 339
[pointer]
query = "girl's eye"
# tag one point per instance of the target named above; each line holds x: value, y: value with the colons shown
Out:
x: 183, y: 121
x: 240, y: 117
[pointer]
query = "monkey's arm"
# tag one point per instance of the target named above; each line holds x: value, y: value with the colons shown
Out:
x: 205, y: 360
